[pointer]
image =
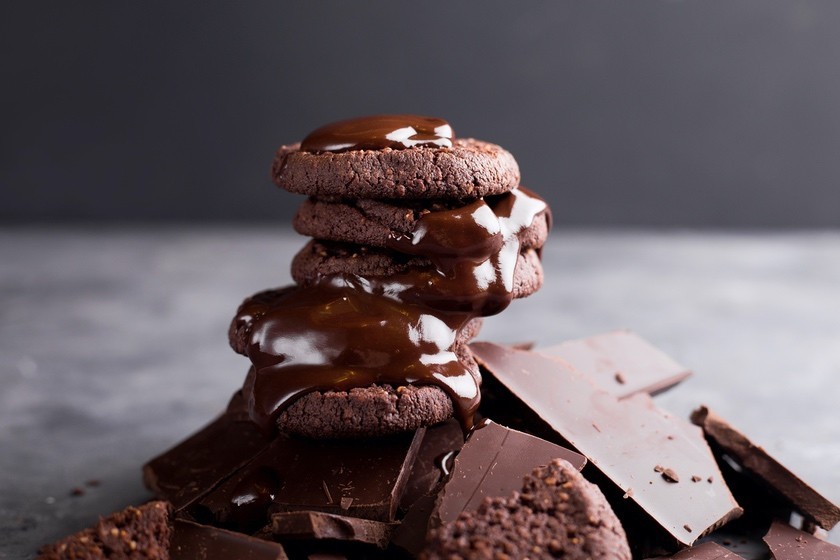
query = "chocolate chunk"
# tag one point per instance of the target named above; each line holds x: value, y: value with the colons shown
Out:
x: 135, y: 532
x: 294, y: 474
x: 191, y: 541
x: 787, y: 543
x: 433, y: 460
x: 632, y: 440
x: 621, y: 363
x: 755, y: 460
x: 317, y: 525
x: 201, y: 461
x: 705, y: 551
x: 555, y: 514
x: 492, y: 463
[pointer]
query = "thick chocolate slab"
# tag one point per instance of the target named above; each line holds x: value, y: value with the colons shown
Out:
x: 439, y: 445
x: 660, y: 464
x: 705, y: 551
x: 493, y: 463
x: 317, y: 525
x: 360, y: 478
x: 754, y: 459
x: 191, y: 541
x: 787, y: 543
x: 621, y: 362
x: 200, y: 462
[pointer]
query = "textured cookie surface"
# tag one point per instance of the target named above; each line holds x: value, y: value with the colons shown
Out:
x: 469, y: 169
x: 366, y: 412
x: 374, y: 222
x: 133, y: 533
x: 558, y: 514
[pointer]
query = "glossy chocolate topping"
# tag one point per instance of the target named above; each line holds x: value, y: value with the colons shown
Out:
x: 378, y: 132
x: 345, y: 331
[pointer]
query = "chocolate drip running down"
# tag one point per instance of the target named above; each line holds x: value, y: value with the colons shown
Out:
x: 344, y: 331
x: 379, y: 132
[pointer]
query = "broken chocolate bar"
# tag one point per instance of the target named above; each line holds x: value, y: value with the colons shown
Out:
x: 192, y: 540
x: 439, y: 445
x: 621, y: 363
x: 360, y: 478
x: 787, y: 543
x: 705, y: 551
x: 200, y: 462
x: 317, y: 525
x: 624, y: 439
x: 492, y: 463
x: 755, y: 460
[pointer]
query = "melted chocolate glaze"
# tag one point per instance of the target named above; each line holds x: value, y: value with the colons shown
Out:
x: 345, y: 331
x: 378, y: 132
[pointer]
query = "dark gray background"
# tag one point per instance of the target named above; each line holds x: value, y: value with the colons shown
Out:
x: 621, y: 113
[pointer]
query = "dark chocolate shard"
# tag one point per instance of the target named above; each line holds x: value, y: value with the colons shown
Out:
x: 493, y: 463
x: 622, y: 363
x: 705, y: 551
x: 317, y: 525
x: 200, y: 462
x: 633, y: 437
x: 361, y: 478
x: 439, y: 445
x: 787, y: 543
x: 191, y: 541
x: 755, y: 460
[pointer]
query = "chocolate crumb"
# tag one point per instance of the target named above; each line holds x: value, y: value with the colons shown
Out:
x: 619, y: 378
x: 727, y: 542
x: 327, y: 492
x: 695, y: 478
x: 346, y: 503
x: 687, y: 527
x: 668, y: 474
x: 77, y: 491
x: 710, y: 480
x: 597, y: 429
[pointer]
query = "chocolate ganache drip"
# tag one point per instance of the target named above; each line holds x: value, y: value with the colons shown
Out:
x: 379, y: 132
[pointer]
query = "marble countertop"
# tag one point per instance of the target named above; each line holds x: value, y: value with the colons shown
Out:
x: 113, y: 344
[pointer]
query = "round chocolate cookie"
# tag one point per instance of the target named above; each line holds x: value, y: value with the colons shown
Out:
x: 322, y: 258
x: 558, y: 514
x: 372, y: 411
x: 368, y: 412
x: 468, y: 169
x: 376, y: 222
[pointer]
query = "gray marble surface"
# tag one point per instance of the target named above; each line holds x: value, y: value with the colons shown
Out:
x: 113, y: 344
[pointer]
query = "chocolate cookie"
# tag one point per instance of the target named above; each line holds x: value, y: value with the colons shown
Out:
x: 372, y: 411
x: 468, y: 169
x: 558, y: 514
x: 323, y: 258
x: 135, y: 532
x: 377, y: 223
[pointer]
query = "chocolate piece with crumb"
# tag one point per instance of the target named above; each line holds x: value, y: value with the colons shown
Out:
x: 621, y: 362
x: 787, y: 543
x: 133, y: 533
x: 624, y: 440
x: 492, y: 463
x: 556, y: 514
x: 755, y: 460
x: 361, y: 478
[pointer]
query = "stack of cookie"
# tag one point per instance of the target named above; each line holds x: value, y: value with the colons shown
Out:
x: 416, y: 237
